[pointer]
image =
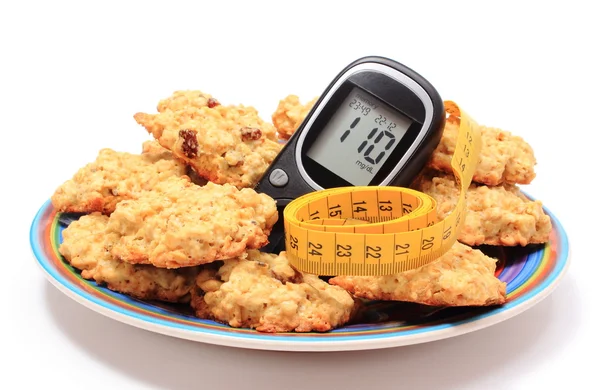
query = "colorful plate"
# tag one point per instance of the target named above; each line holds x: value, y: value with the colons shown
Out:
x: 531, y: 274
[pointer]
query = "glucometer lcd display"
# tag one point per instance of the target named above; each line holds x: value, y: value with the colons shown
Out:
x: 359, y: 138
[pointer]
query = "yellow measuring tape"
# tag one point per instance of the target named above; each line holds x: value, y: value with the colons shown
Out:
x: 379, y: 230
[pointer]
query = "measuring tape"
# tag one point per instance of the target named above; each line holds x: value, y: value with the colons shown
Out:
x: 379, y: 230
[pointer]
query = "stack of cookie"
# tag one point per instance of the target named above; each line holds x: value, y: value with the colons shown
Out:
x: 180, y: 222
x: 148, y: 230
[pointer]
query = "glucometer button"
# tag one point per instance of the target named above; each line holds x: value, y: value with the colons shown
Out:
x: 278, y: 178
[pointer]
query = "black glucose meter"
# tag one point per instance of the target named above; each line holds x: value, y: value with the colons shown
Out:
x: 376, y: 124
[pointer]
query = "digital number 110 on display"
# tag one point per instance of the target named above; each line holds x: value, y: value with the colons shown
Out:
x: 375, y: 132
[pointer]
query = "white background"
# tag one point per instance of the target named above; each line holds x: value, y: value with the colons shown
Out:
x: 73, y: 75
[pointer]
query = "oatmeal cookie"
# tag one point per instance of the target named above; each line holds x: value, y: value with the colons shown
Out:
x: 500, y: 215
x: 86, y: 246
x: 264, y: 293
x: 289, y: 115
x: 116, y: 176
x: 463, y: 276
x: 224, y: 144
x: 180, y: 224
x: 504, y: 158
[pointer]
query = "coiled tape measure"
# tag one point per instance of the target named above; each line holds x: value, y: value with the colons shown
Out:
x: 340, y: 180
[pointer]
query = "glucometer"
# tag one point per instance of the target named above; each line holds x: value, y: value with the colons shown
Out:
x: 376, y: 124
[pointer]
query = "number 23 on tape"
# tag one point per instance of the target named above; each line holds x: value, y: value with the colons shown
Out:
x: 379, y: 230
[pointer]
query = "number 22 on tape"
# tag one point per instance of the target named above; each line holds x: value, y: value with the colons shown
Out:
x: 379, y: 230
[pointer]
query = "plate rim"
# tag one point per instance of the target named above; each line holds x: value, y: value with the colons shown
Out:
x: 261, y: 342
